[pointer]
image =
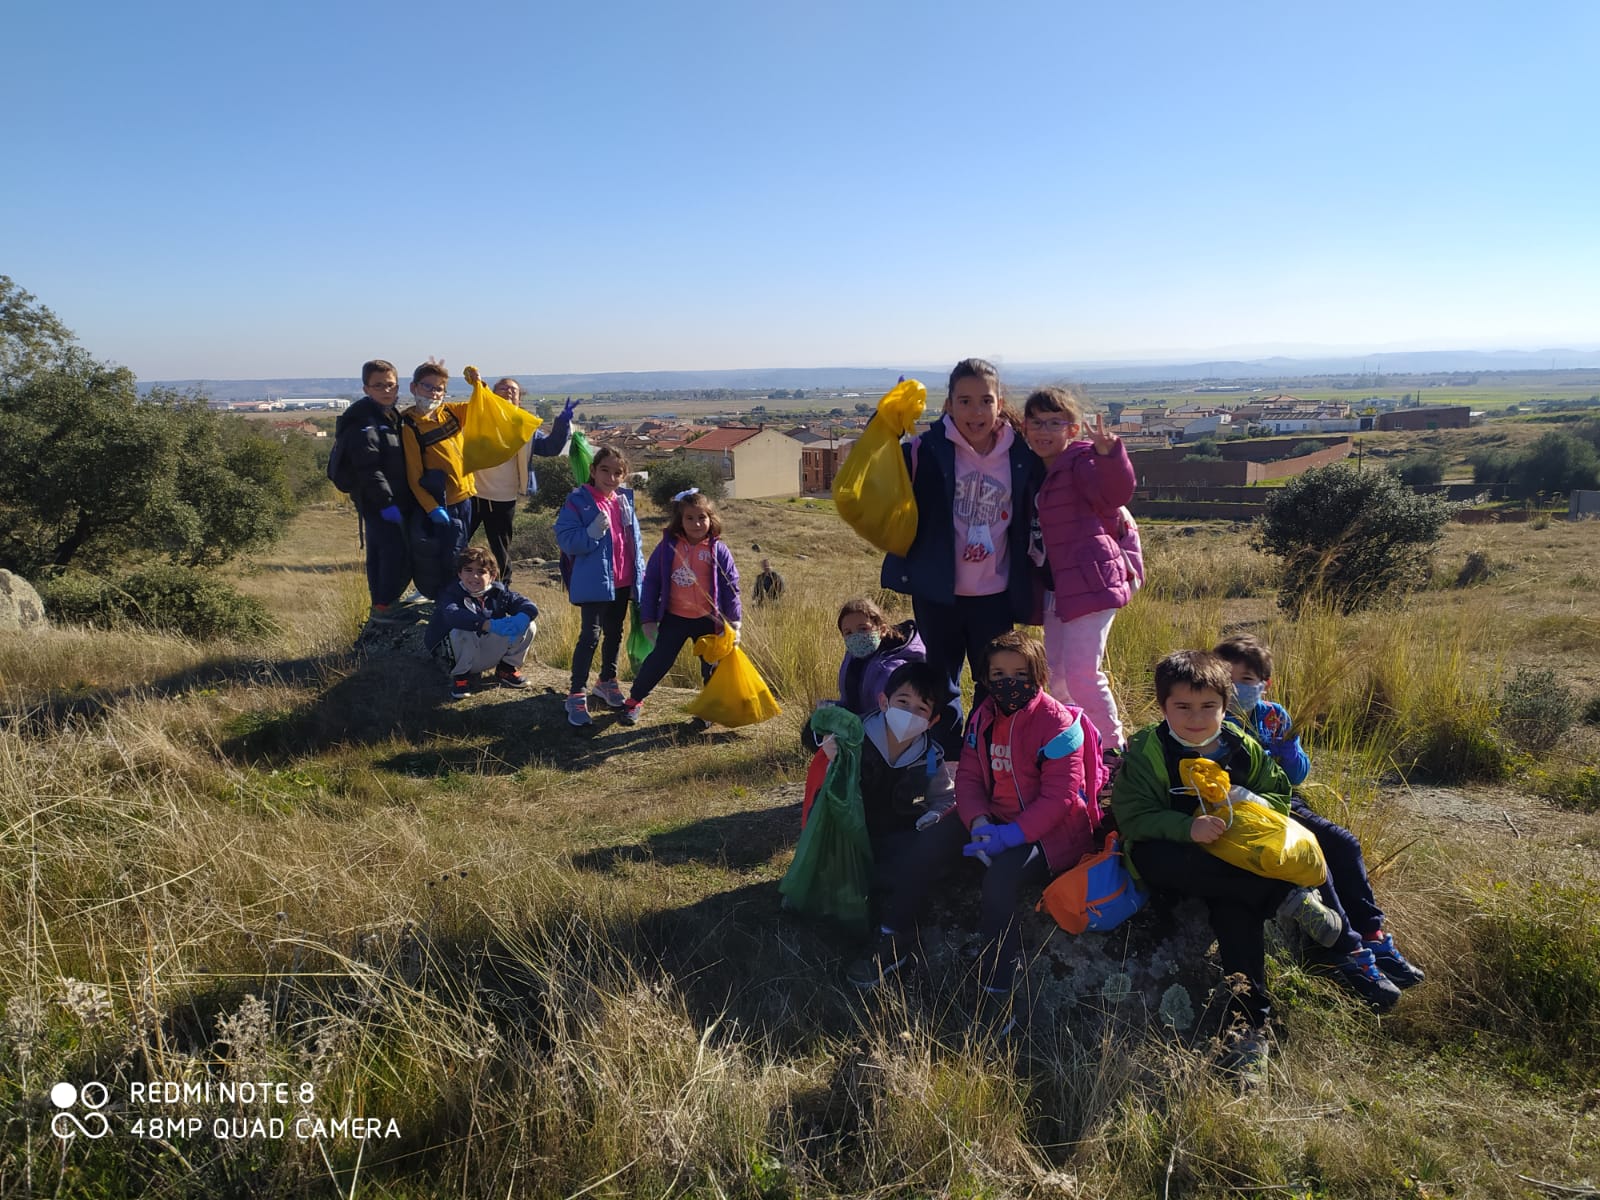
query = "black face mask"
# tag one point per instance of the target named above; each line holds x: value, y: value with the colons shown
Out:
x: 1013, y: 695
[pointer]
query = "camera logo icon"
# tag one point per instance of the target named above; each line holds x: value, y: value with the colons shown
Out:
x: 66, y: 1124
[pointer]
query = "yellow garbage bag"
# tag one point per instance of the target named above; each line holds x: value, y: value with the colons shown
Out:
x: 1259, y: 838
x: 492, y: 428
x: 735, y: 694
x: 873, y: 488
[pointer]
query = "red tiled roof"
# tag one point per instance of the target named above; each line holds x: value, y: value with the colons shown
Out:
x: 723, y: 439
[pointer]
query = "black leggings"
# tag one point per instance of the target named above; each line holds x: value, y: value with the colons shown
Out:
x: 601, y: 625
x: 671, y: 634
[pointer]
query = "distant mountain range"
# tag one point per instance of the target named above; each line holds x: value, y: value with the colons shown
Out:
x: 880, y: 379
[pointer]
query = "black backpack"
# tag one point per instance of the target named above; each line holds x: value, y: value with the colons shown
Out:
x: 339, y: 473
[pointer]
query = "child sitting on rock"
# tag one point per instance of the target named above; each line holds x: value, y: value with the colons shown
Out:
x: 1365, y: 958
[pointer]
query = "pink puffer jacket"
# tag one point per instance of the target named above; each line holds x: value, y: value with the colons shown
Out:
x: 1078, y: 504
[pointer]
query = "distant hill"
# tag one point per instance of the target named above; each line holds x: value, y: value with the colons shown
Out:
x: 879, y: 379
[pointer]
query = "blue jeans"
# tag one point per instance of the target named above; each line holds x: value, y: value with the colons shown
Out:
x: 1348, y: 890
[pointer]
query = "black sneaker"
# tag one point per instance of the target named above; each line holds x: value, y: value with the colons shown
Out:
x: 883, y: 960
x: 460, y: 686
x: 697, y: 725
x: 1359, y: 972
x: 1244, y: 1055
x: 999, y: 1014
x: 1399, y: 970
x: 508, y: 676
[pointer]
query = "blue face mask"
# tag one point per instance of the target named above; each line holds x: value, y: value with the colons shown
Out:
x: 861, y: 645
x: 1248, y: 695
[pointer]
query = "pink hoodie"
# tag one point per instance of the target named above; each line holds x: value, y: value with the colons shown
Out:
x: 1077, y: 504
x: 983, y: 512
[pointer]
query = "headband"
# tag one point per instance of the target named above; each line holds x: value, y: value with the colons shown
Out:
x: 685, y: 494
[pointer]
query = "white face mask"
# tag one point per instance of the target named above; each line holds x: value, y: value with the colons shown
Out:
x: 1188, y: 745
x: 424, y: 404
x: 904, y: 724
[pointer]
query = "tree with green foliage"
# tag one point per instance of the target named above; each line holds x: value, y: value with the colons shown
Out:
x: 1558, y: 462
x: 1349, y: 537
x: 31, y: 336
x: 555, y: 483
x: 94, y: 475
x: 682, y: 472
x: 1421, y: 469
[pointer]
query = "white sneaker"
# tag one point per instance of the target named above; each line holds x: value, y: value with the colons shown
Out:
x: 610, y: 691
x: 578, y: 710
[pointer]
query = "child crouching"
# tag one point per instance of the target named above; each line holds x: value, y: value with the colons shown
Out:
x: 487, y: 623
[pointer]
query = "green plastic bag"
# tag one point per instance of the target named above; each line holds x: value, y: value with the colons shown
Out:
x: 639, y: 643
x: 581, y: 456
x: 832, y: 868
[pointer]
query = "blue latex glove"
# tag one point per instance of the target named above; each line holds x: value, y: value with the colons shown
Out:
x: 568, y: 409
x: 511, y: 627
x: 390, y: 514
x: 994, y: 839
x: 438, y: 516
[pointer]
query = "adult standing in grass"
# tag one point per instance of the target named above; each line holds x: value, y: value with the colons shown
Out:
x: 367, y: 441
x: 967, y: 569
x: 494, y: 508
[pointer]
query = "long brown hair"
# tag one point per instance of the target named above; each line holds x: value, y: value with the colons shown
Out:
x: 695, y: 500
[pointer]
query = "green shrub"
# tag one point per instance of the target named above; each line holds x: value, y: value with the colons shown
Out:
x: 1537, y: 709
x: 1350, y: 537
x: 1540, y: 943
x: 1577, y: 790
x: 1421, y: 469
x: 555, y: 482
x: 1475, y: 570
x: 156, y: 596
x: 1591, y: 711
x: 1456, y: 747
x: 675, y: 475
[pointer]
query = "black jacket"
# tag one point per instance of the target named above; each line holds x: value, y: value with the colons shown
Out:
x: 370, y: 438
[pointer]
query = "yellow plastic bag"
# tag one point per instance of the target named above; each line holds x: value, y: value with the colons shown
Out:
x: 735, y: 694
x: 492, y: 428
x: 1259, y: 838
x: 873, y: 488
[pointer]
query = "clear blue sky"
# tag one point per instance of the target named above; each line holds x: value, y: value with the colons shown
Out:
x: 254, y: 190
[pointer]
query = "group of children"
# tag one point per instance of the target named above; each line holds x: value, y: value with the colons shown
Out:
x: 1038, y: 534
x: 1021, y: 522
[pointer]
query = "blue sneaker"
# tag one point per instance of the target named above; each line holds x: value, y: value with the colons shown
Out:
x: 1399, y: 970
x: 1359, y: 972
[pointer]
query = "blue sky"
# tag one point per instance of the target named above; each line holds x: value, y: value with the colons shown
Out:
x: 286, y: 189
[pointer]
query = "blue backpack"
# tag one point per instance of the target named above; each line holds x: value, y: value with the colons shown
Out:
x: 1096, y: 894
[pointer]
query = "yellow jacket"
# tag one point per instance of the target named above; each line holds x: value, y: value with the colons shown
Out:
x: 432, y: 442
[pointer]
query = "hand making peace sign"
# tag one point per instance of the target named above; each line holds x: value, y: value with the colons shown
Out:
x: 1104, y: 442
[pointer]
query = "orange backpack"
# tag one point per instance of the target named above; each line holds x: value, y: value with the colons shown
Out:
x: 1096, y: 894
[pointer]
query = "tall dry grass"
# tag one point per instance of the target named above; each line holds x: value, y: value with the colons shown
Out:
x: 511, y: 960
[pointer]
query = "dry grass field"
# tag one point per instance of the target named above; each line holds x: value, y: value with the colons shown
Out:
x: 556, y: 961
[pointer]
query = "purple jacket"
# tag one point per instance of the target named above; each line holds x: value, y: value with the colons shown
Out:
x: 658, y: 582
x: 879, y: 666
x: 1078, y: 503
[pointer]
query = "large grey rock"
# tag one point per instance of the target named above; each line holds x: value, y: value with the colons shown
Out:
x: 21, y: 610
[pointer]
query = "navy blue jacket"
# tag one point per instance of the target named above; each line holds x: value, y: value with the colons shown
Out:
x: 370, y: 434
x: 928, y: 569
x: 454, y: 609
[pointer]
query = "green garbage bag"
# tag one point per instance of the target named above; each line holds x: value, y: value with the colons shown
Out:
x: 581, y: 456
x: 832, y: 868
x: 639, y: 643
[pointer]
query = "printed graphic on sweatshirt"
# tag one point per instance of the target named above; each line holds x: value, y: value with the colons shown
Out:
x: 980, y: 502
x: 1000, y: 758
x: 683, y: 574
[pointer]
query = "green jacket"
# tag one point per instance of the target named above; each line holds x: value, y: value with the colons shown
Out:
x: 1142, y: 800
